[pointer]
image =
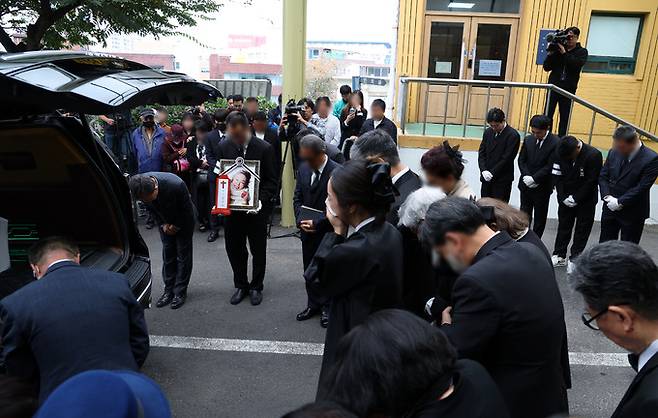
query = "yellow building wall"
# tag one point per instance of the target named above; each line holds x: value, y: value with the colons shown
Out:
x: 631, y: 97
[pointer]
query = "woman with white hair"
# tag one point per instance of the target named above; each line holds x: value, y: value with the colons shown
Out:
x: 419, y: 279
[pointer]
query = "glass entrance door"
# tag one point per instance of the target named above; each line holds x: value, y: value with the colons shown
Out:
x: 491, y: 58
x: 466, y: 48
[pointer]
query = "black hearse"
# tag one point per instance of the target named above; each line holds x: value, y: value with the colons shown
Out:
x: 56, y: 176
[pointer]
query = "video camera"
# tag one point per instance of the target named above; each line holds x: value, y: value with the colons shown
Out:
x: 559, y: 37
x: 292, y: 108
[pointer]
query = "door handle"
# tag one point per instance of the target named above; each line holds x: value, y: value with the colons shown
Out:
x: 470, y: 63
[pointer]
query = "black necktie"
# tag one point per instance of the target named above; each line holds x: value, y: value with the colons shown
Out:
x: 241, y: 150
x: 316, y: 180
x: 539, y: 143
x: 634, y: 360
x: 624, y: 163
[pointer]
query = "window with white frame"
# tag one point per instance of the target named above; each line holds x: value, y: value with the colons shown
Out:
x: 612, y: 43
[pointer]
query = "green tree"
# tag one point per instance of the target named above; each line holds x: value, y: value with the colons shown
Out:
x: 320, y: 78
x: 62, y: 23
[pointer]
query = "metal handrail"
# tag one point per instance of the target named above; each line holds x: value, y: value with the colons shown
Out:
x: 403, y: 99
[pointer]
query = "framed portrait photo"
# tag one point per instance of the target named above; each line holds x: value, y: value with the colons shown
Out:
x: 244, y: 182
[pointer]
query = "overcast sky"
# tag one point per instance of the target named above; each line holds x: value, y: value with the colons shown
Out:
x: 351, y: 20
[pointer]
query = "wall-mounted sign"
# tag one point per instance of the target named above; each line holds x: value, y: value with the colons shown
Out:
x: 443, y: 67
x: 541, y: 46
x: 490, y: 68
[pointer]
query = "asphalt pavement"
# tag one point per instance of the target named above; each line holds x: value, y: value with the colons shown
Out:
x: 217, y: 360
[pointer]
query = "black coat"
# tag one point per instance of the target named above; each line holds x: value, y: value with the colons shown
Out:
x: 641, y: 398
x: 408, y: 183
x: 174, y: 203
x: 354, y: 127
x: 272, y: 137
x: 361, y: 274
x: 256, y: 150
x: 313, y: 198
x: 508, y: 316
x: 419, y: 280
x: 630, y: 185
x: 579, y: 178
x: 213, y: 140
x: 538, y: 162
x: 497, y: 154
x: 192, y: 155
x: 565, y: 68
x: 475, y: 395
x: 532, y: 238
x: 72, y: 320
x: 386, y: 124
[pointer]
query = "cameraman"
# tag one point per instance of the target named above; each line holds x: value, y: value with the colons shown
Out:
x: 564, y: 63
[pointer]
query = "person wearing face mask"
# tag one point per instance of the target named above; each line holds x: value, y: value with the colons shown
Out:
x: 311, y: 192
x: 507, y: 311
x: 420, y: 278
x: 147, y: 143
x: 360, y: 272
x: 61, y: 336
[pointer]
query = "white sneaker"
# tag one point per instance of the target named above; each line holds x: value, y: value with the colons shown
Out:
x: 558, y: 261
x: 570, y: 267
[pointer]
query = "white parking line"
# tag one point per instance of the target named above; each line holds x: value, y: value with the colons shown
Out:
x: 315, y: 349
x: 249, y: 346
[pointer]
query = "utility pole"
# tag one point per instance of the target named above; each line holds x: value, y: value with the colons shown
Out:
x: 294, y: 60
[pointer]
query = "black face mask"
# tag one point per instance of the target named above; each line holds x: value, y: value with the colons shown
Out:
x: 148, y: 123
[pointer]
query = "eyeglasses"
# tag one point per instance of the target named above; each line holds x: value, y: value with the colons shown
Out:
x: 588, y: 319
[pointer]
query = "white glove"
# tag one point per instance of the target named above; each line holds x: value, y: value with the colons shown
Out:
x: 529, y: 182
x: 487, y: 176
x: 613, y: 204
x: 428, y: 306
x: 255, y: 211
x: 570, y: 202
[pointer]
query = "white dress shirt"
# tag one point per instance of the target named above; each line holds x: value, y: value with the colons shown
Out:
x: 375, y: 123
x: 321, y: 169
x: 647, y: 354
x: 400, y: 174
x: 364, y: 223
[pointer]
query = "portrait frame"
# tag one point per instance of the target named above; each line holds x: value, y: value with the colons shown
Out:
x: 250, y: 172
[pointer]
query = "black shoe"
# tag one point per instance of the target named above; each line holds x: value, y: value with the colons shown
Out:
x: 238, y: 296
x: 178, y: 301
x: 150, y: 225
x: 164, y: 300
x: 212, y: 237
x: 307, y: 313
x: 324, y: 319
x: 256, y: 297
x: 203, y: 228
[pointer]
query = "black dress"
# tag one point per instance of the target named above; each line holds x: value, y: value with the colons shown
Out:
x: 475, y: 395
x: 361, y: 274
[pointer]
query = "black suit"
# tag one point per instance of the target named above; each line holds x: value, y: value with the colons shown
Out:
x: 408, y: 183
x: 537, y: 161
x: 475, y: 395
x: 313, y: 197
x: 630, y: 182
x: 641, y: 398
x: 174, y: 206
x: 508, y: 315
x: 497, y: 154
x: 579, y: 179
x: 197, y: 153
x: 71, y: 320
x: 386, y: 124
x: 240, y: 226
x: 213, y: 139
x: 361, y: 274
